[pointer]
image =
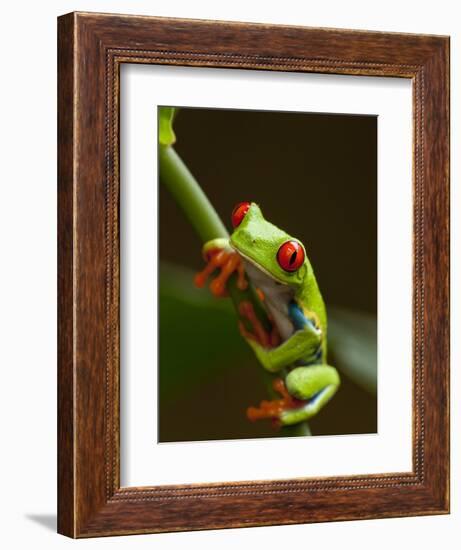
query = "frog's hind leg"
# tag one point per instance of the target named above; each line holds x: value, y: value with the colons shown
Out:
x: 316, y: 385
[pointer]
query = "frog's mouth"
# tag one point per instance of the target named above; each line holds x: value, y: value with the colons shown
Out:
x: 277, y: 295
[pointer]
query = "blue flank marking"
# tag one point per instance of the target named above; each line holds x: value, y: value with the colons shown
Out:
x: 300, y: 321
x: 297, y: 316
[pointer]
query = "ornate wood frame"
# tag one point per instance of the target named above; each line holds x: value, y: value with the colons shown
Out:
x: 91, y: 49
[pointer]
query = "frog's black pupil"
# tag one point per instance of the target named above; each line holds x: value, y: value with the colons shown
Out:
x: 293, y: 257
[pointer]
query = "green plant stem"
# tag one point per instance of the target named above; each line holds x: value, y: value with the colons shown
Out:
x: 208, y: 225
x: 189, y: 196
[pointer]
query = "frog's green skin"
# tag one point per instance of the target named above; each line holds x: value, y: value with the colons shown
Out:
x: 301, y: 357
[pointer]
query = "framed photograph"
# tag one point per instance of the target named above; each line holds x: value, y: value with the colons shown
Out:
x: 253, y: 275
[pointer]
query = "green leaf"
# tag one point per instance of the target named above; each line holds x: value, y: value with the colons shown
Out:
x: 166, y: 135
x: 198, y: 334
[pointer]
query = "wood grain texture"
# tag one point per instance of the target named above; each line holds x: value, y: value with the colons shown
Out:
x: 91, y: 48
x: 66, y: 470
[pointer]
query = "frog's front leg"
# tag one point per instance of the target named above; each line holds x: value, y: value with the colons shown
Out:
x: 220, y: 256
x: 304, y: 344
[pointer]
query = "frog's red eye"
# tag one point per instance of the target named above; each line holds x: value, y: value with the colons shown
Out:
x: 239, y: 213
x: 290, y: 256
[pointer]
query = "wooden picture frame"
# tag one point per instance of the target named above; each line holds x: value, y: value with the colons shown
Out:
x: 91, y: 49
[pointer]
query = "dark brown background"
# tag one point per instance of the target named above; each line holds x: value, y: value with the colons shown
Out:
x: 315, y: 176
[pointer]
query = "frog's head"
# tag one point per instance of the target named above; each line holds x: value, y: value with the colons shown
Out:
x: 263, y: 245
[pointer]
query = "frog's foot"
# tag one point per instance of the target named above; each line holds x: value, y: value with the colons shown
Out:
x: 228, y: 262
x: 274, y: 409
x: 258, y: 333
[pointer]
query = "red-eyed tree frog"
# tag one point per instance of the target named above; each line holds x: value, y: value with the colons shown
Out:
x: 296, y: 348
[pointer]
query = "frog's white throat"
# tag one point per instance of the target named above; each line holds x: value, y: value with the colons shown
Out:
x: 277, y: 296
